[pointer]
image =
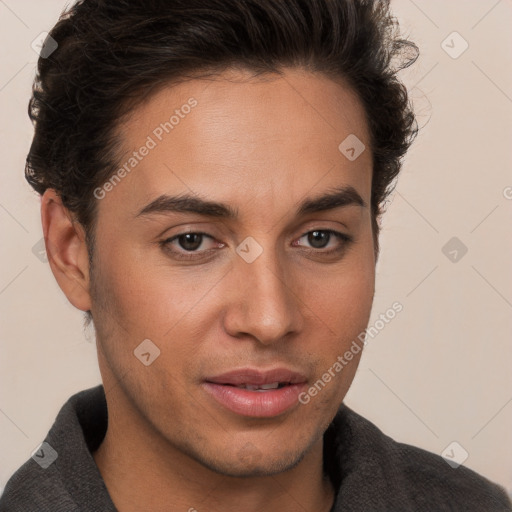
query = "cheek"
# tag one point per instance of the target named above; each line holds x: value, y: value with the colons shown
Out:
x: 344, y: 297
x: 348, y: 297
x: 151, y: 297
x: 342, y: 303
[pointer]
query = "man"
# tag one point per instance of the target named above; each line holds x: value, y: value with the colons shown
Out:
x: 212, y: 174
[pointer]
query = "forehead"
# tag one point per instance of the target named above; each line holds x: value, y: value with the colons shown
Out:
x: 237, y: 136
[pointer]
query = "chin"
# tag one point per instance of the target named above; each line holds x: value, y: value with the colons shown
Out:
x: 249, y: 462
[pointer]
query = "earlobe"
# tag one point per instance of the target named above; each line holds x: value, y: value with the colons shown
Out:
x: 66, y: 249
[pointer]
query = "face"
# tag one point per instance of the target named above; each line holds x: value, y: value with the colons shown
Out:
x: 217, y: 248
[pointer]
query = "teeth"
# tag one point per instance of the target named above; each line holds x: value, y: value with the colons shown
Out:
x: 274, y: 385
x: 263, y: 387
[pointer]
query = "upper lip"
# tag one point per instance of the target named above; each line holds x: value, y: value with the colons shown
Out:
x: 257, y: 377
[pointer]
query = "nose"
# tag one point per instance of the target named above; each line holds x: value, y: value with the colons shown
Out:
x: 265, y: 304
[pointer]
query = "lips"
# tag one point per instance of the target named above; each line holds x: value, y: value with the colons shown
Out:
x: 256, y: 393
x: 253, y: 377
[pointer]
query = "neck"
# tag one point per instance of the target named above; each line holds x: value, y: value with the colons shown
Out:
x: 143, y: 471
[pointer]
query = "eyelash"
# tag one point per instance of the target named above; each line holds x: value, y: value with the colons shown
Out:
x: 194, y: 255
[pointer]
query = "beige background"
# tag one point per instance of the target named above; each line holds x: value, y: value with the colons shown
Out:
x: 440, y: 371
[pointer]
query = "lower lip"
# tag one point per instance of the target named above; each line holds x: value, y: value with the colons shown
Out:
x: 255, y: 404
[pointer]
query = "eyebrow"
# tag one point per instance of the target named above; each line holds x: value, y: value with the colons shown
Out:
x: 185, y: 203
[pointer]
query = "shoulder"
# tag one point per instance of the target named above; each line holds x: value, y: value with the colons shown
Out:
x: 406, y: 477
x: 431, y: 480
x: 62, y: 475
x: 32, y: 488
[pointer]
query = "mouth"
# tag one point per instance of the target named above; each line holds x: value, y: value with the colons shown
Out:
x: 263, y: 387
x: 256, y: 393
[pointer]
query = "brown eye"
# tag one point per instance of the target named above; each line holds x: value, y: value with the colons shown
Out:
x: 191, y: 246
x: 190, y: 241
x: 324, y: 239
x: 319, y: 239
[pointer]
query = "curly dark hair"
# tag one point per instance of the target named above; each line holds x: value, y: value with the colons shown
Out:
x: 113, y: 54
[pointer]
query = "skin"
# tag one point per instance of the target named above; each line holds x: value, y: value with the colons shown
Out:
x: 261, y: 145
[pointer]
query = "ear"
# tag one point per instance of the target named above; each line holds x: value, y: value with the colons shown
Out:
x: 66, y: 250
